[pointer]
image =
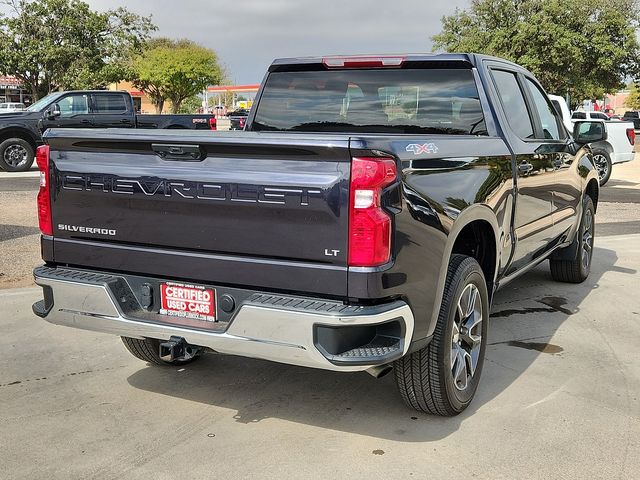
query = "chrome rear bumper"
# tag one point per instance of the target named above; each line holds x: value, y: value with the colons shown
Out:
x: 258, y: 329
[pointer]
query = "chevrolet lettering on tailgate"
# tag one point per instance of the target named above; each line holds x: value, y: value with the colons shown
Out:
x: 188, y: 189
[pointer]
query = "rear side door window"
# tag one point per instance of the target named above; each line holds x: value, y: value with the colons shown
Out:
x: 546, y: 113
x: 112, y: 104
x: 513, y: 103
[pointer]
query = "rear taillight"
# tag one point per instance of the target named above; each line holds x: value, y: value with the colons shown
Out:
x: 631, y: 135
x: 44, y: 195
x: 242, y: 122
x: 369, y: 224
x: 213, y: 123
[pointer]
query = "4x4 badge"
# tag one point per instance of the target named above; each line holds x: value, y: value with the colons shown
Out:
x: 417, y: 148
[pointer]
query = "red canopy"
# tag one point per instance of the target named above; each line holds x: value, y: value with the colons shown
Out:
x: 233, y: 88
x: 9, y: 81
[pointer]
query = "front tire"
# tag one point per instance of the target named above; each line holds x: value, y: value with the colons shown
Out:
x: 148, y: 350
x: 577, y: 267
x: 442, y: 378
x: 16, y: 155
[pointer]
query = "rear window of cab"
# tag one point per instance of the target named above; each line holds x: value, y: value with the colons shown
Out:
x: 411, y: 101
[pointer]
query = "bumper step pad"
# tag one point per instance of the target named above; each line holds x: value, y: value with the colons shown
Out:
x: 379, y: 347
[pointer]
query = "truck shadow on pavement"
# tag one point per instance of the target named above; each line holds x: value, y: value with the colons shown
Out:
x: 526, y: 315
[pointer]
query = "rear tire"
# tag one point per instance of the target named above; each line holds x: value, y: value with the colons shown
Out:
x: 442, y: 378
x: 148, y: 350
x: 16, y: 155
x: 577, y: 268
x: 602, y: 161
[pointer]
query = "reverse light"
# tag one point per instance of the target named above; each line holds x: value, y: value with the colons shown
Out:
x: 363, y: 62
x: 631, y: 136
x: 44, y: 194
x: 369, y: 224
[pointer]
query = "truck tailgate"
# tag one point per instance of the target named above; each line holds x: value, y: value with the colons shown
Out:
x: 243, y: 208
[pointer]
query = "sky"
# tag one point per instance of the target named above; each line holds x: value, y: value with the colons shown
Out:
x: 248, y: 34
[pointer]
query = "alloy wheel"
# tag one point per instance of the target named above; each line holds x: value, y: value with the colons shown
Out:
x: 466, y: 338
x: 16, y: 155
x: 602, y: 165
x: 587, y: 239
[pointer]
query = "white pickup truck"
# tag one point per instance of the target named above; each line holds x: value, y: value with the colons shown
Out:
x: 616, y: 148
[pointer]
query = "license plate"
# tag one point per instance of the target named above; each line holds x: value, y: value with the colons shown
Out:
x: 188, y: 301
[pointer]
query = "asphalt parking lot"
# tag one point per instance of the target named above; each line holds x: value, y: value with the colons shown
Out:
x: 559, y: 398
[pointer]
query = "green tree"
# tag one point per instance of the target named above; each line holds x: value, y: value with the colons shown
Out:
x: 191, y: 104
x: 175, y: 70
x: 633, y: 100
x: 584, y: 47
x: 63, y: 44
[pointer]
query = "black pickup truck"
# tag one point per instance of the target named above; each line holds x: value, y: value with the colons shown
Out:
x: 238, y: 119
x: 21, y: 132
x: 362, y: 222
x: 632, y: 116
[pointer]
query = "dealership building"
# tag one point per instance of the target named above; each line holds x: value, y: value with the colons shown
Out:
x: 11, y: 91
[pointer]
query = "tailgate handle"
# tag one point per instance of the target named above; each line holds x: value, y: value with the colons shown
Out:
x: 185, y: 153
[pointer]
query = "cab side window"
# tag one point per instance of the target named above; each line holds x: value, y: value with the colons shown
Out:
x: 74, y: 105
x: 547, y: 114
x: 109, y: 103
x: 513, y: 103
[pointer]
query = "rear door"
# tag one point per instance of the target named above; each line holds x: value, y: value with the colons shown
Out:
x: 112, y: 110
x: 553, y: 141
x: 533, y: 220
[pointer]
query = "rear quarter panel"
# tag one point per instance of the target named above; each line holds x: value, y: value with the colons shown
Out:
x: 454, y: 181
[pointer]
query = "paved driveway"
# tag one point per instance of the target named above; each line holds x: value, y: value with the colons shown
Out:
x: 559, y: 398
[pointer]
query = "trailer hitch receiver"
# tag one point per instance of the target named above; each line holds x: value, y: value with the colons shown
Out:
x: 177, y: 348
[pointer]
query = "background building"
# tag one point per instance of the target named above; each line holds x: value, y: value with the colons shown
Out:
x: 616, y: 101
x: 11, y: 91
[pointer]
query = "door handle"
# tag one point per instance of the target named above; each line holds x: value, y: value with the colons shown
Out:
x: 185, y: 153
x: 124, y: 120
x: 85, y: 122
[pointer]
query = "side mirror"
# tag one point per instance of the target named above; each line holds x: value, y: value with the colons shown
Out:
x: 589, y: 132
x: 53, y: 111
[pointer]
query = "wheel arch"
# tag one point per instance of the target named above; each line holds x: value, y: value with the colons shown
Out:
x: 18, y: 132
x: 477, y: 239
x: 477, y: 222
x: 604, y: 146
x: 593, y: 190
